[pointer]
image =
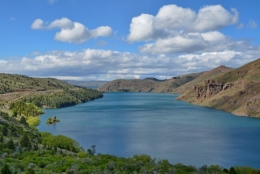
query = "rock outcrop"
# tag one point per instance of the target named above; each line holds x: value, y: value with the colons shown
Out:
x: 201, y: 79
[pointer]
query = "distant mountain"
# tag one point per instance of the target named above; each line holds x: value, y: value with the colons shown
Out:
x: 236, y: 91
x: 87, y: 84
x: 206, y: 75
x: 148, y: 84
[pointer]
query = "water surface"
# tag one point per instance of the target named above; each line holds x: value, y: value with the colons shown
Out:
x: 156, y: 124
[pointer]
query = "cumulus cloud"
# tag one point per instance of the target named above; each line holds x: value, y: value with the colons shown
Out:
x: 172, y: 18
x: 176, y: 30
x: 213, y: 18
x: 194, y: 42
x: 141, y: 28
x: 72, y: 31
x: 91, y: 64
x: 37, y: 24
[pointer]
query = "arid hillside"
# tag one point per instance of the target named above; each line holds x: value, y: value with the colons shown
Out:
x: 236, y: 91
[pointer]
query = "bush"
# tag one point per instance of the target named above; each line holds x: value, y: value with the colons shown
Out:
x: 10, y: 145
x: 6, y: 170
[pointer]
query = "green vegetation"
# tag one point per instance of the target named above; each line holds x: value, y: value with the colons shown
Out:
x: 29, y: 113
x: 52, y: 120
x: 60, y: 141
x: 62, y: 98
x: 20, y: 83
x: 18, y: 90
x: 26, y: 109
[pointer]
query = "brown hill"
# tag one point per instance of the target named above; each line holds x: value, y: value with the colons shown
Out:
x: 236, y: 91
x: 206, y: 75
x: 148, y: 84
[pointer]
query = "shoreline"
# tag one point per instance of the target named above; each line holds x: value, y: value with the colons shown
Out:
x: 236, y: 113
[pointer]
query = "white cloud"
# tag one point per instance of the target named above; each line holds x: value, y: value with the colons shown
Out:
x: 72, y: 31
x: 93, y: 64
x: 175, y: 30
x: 171, y: 19
x: 181, y: 43
x: 63, y: 23
x: 252, y: 24
x: 194, y: 42
x: 141, y: 28
x: 37, y: 24
x: 101, y: 31
x: 215, y: 17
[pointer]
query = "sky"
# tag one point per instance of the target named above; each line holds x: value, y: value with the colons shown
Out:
x: 106, y: 40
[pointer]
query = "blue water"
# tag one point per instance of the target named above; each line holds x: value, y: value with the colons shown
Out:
x: 125, y: 124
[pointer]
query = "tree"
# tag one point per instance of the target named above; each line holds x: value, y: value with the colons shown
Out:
x: 5, y: 131
x: 30, y: 171
x: 92, y: 151
x: 20, y: 107
x: 15, y: 114
x: 10, y: 144
x: 6, y: 170
x: 25, y: 141
x: 232, y: 170
x: 23, y: 120
x: 1, y: 139
x: 35, y: 147
x: 1, y: 146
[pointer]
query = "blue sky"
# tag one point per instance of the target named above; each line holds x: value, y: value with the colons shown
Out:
x: 106, y: 40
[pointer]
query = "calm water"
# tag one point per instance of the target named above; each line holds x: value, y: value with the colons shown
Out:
x: 125, y: 124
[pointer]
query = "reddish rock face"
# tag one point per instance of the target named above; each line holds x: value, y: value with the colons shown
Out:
x: 211, y: 87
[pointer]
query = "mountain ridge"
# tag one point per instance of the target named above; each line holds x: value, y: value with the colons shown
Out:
x: 148, y: 84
